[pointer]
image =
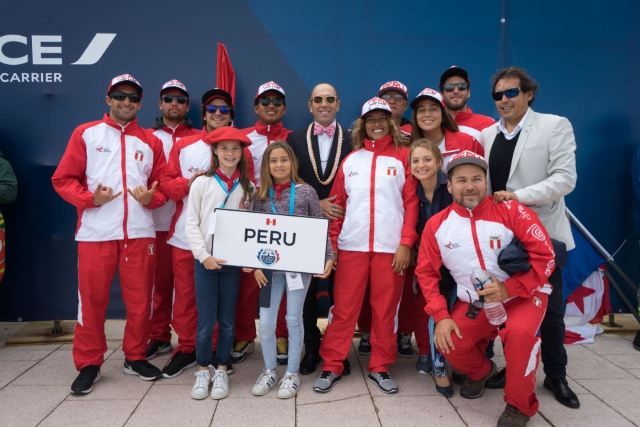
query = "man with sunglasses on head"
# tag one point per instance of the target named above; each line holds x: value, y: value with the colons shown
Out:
x: 190, y: 157
x: 169, y: 128
x: 456, y: 90
x: 532, y: 160
x: 110, y: 172
x: 320, y: 148
x: 466, y: 237
x: 270, y: 106
x: 397, y: 95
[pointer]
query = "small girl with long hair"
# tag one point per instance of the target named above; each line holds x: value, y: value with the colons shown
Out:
x: 283, y: 192
x: 225, y: 185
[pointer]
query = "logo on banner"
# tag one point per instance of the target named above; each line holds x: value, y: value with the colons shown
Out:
x: 16, y: 49
x: 138, y: 156
x: 495, y: 242
x: 268, y: 257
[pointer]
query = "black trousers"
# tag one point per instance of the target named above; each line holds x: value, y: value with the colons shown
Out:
x: 554, y: 355
x: 310, y: 312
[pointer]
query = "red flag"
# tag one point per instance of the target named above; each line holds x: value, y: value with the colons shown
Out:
x: 225, y: 76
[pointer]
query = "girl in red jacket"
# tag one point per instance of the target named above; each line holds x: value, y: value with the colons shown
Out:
x: 372, y: 242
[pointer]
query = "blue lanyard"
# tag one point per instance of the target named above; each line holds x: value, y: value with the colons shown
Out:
x: 224, y: 188
x: 292, y: 198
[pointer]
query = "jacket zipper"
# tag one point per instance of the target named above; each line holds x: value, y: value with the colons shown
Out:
x: 476, y: 243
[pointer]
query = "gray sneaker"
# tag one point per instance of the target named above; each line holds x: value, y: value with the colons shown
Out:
x: 384, y: 382
x: 325, y: 381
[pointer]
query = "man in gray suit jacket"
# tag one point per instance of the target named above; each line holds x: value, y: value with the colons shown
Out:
x: 532, y: 160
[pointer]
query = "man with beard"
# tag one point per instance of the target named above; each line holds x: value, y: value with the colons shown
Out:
x: 456, y: 90
x: 169, y: 128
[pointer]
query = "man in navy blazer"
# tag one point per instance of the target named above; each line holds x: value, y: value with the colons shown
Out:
x: 532, y: 159
x: 320, y: 148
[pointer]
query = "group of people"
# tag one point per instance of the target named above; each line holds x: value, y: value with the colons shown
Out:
x: 420, y: 212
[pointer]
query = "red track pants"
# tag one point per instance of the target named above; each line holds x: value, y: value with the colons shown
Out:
x: 354, y: 271
x: 520, y: 343
x: 185, y: 315
x: 247, y: 310
x: 97, y: 265
x: 162, y: 290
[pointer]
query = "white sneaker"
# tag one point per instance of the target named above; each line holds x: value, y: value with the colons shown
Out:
x: 265, y: 382
x: 289, y: 386
x: 200, y: 389
x: 220, y: 387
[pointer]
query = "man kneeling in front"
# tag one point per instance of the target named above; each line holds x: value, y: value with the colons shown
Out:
x: 467, y: 238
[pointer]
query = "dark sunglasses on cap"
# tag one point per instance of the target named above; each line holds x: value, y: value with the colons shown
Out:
x: 181, y: 99
x: 319, y: 99
x: 213, y: 108
x: 450, y: 87
x: 509, y: 93
x: 265, y: 101
x: 121, y: 96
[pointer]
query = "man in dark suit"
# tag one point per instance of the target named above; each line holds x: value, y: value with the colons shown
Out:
x: 320, y: 148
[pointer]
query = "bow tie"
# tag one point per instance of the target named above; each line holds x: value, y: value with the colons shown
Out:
x: 319, y: 129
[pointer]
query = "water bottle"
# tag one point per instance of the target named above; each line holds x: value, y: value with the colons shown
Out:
x: 494, y: 310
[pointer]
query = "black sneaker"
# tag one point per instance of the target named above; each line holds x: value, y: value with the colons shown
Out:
x: 142, y: 368
x: 178, y: 363
x: 83, y: 384
x: 636, y: 341
x: 404, y: 345
x: 157, y: 347
x: 241, y: 350
x: 364, y: 347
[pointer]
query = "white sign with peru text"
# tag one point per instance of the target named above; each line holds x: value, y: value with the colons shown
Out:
x: 270, y: 241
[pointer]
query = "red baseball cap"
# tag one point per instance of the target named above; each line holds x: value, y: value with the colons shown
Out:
x: 375, y: 104
x: 427, y: 92
x: 396, y: 86
x: 467, y: 157
x: 269, y: 86
x: 227, y: 133
x: 175, y: 84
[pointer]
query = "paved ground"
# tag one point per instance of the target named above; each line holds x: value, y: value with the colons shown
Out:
x: 35, y: 380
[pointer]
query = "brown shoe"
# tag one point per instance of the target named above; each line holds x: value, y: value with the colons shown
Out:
x: 512, y: 417
x: 474, y: 389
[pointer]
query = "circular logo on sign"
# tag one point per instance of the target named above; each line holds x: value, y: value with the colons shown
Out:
x: 268, y: 256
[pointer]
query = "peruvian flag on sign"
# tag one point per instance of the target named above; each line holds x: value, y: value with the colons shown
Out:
x: 271, y: 221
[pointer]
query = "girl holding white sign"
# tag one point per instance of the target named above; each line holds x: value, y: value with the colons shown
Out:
x: 283, y: 192
x: 225, y: 185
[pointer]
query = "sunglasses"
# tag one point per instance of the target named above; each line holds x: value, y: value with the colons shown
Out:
x: 509, y: 93
x: 121, y: 96
x: 266, y: 101
x: 222, y: 108
x: 168, y: 99
x: 474, y: 307
x: 394, y: 96
x: 319, y: 99
x: 450, y: 87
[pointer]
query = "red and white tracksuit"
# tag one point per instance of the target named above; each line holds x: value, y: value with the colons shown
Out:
x: 375, y: 186
x: 116, y: 235
x: 456, y: 142
x: 463, y: 240
x: 472, y: 123
x: 163, y: 287
x: 188, y: 156
x: 261, y: 135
